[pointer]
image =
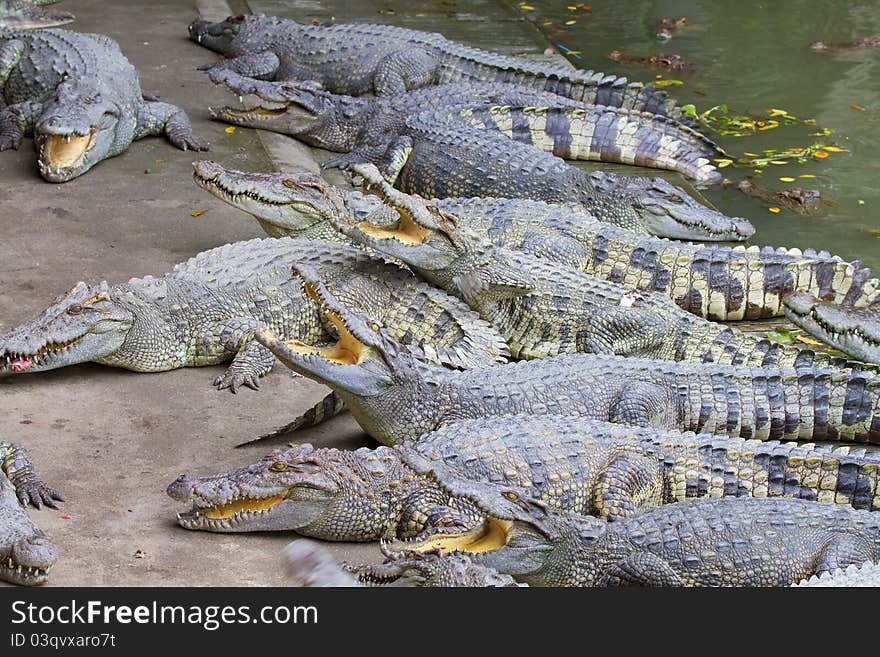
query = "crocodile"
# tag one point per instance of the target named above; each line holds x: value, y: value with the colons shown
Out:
x: 309, y: 563
x: 864, y: 43
x: 867, y: 574
x: 712, y: 281
x: 440, y: 158
x: 356, y: 59
x: 854, y: 331
x: 80, y: 98
x: 668, y: 27
x: 26, y: 553
x: 29, y: 15
x: 394, y: 397
x: 669, y: 62
x: 542, y: 308
x: 206, y: 309
x: 571, y: 463
x: 363, y: 128
x: 703, y: 542
x: 805, y: 202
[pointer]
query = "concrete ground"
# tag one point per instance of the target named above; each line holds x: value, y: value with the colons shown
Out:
x: 112, y: 440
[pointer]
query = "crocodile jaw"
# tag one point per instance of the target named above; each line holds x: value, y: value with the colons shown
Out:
x: 62, y: 157
x: 22, y: 575
x: 228, y: 516
x: 12, y: 362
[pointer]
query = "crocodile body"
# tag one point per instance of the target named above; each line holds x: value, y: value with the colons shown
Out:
x: 29, y: 15
x: 545, y: 309
x: 26, y: 553
x: 852, y: 330
x: 80, y: 98
x: 308, y: 563
x: 440, y: 158
x: 712, y: 281
x: 356, y: 59
x: 573, y: 464
x: 395, y: 398
x: 867, y: 574
x: 705, y: 542
x: 363, y: 128
x: 206, y: 310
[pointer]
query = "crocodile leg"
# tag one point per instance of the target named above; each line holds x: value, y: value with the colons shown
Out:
x: 392, y: 161
x: 431, y: 508
x: 16, y: 463
x: 10, y: 56
x: 643, y: 405
x: 156, y: 118
x: 403, y: 70
x: 844, y: 550
x: 251, y: 362
x: 263, y: 65
x: 640, y: 569
x: 16, y: 121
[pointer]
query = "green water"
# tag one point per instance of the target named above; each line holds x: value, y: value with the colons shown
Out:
x: 752, y: 56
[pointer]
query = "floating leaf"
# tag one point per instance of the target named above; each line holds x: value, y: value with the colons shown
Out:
x: 587, y: 7
x: 229, y: 129
x: 873, y: 231
x: 572, y: 8
x: 571, y: 22
x: 527, y: 7
x: 809, y: 341
x: 857, y: 108
x: 861, y: 201
x: 820, y: 154
x: 667, y: 83
x: 775, y: 210
x: 780, y: 336
x: 723, y: 162
x: 836, y: 149
x: 787, y: 179
x: 778, y: 162
x: 806, y: 175
x: 196, y: 213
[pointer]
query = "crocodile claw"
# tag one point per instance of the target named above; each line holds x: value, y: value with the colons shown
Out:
x: 35, y: 493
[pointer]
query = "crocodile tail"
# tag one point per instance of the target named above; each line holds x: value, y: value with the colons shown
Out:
x: 605, y: 134
x: 330, y: 406
x: 737, y: 283
x: 838, y: 475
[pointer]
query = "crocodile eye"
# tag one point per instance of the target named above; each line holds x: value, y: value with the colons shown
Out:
x: 287, y: 182
x: 513, y: 497
x: 278, y: 466
x: 375, y: 327
x: 75, y: 309
x: 675, y: 199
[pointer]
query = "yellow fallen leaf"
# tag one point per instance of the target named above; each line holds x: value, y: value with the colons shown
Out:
x: 774, y: 210
x: 196, y: 213
x: 571, y: 8
x: 786, y: 179
x: 861, y: 202
x: 806, y: 175
x: 751, y: 154
x: 835, y: 149
x: 570, y: 22
x: 857, y: 108
x: 229, y: 129
x: 778, y: 162
x: 527, y: 7
x: 810, y: 341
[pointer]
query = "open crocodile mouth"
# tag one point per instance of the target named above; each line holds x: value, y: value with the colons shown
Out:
x: 258, y: 112
x: 65, y: 151
x: 836, y: 333
x: 407, y: 231
x: 26, y: 575
x: 12, y: 361
x: 348, y: 350
x: 492, y: 534
x: 229, y: 514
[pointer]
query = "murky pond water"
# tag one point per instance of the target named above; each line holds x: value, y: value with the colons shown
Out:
x: 753, y: 56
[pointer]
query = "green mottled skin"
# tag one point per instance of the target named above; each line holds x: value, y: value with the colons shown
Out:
x: 574, y: 464
x: 26, y: 553
x: 361, y: 58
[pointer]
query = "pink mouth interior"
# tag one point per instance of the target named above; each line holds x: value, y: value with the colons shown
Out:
x: 21, y: 364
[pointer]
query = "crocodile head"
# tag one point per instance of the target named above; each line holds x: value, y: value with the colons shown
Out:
x: 429, y: 569
x: 25, y: 15
x: 78, y: 128
x: 308, y: 490
x: 519, y: 535
x: 294, y: 108
x: 81, y: 325
x: 363, y: 361
x: 236, y: 35
x: 285, y: 204
x: 434, y: 243
x: 667, y: 211
x: 26, y: 553
x: 855, y: 331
